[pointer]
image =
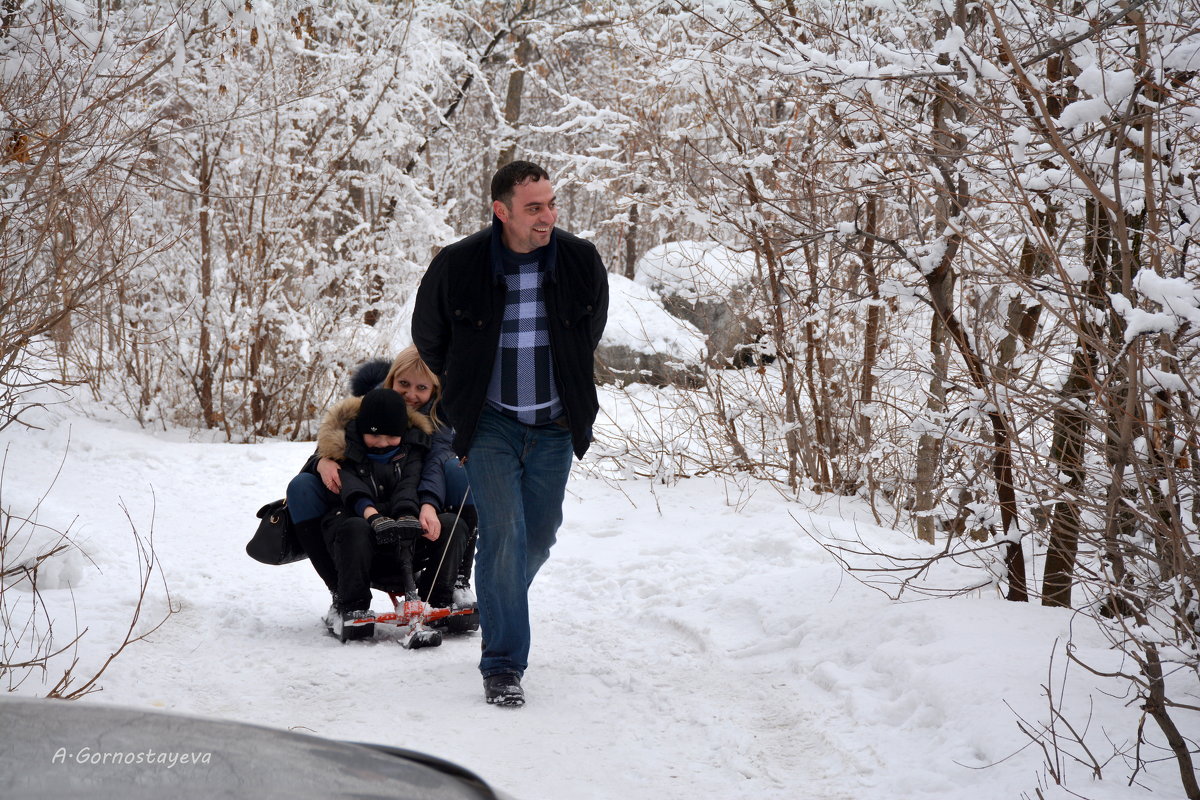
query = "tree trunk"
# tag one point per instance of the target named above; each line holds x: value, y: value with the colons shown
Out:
x: 631, y: 252
x: 203, y: 379
x: 929, y: 446
x: 1072, y: 419
x: 516, y: 88
x: 1071, y: 424
x: 866, y: 393
x: 796, y: 430
x: 953, y: 198
x: 799, y: 446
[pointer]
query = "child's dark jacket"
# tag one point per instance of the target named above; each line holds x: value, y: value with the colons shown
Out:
x: 370, y: 375
x: 391, y: 487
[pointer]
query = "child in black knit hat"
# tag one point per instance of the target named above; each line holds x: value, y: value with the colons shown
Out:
x: 383, y: 413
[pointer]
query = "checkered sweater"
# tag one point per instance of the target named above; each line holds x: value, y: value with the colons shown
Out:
x: 522, y: 384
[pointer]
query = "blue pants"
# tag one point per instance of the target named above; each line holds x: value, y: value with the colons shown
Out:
x: 456, y: 484
x: 307, y: 497
x: 518, y: 477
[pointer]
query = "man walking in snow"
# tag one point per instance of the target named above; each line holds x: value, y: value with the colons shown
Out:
x: 509, y: 319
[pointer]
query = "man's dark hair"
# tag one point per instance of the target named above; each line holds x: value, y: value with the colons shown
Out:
x: 512, y: 173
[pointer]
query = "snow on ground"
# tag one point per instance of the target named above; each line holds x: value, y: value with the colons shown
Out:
x: 690, y: 640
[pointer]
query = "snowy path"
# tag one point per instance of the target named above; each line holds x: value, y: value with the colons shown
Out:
x: 630, y: 694
x: 690, y: 641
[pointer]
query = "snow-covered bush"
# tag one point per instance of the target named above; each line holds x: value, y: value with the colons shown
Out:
x: 281, y: 181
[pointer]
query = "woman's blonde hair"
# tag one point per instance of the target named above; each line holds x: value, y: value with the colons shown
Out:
x: 409, y: 360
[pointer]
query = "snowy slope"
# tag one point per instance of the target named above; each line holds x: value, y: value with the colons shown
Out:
x: 690, y: 641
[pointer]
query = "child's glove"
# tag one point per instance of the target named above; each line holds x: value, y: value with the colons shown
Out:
x: 384, y: 530
x: 409, y: 528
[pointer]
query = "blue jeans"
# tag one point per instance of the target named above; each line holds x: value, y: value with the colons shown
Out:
x: 307, y: 497
x: 518, y: 478
x: 456, y: 484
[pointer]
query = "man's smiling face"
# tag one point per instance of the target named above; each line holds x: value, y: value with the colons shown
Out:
x: 528, y: 216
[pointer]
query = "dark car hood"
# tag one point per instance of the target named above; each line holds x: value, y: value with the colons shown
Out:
x: 70, y: 749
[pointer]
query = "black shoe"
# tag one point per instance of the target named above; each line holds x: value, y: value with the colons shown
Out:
x: 422, y: 637
x: 343, y: 626
x: 463, y: 623
x: 504, y: 690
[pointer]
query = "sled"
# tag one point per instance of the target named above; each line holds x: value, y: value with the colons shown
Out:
x: 420, y: 623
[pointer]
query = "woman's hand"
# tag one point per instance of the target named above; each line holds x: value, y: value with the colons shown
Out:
x: 430, y: 524
x: 331, y: 474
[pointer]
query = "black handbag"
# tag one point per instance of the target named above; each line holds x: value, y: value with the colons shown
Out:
x: 275, y: 542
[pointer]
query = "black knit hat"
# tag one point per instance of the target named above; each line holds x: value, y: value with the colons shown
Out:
x: 383, y: 413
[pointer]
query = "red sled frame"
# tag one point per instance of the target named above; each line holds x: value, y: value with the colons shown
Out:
x: 414, y: 613
x: 413, y: 619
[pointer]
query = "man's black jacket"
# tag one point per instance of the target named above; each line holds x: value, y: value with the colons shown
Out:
x: 456, y: 326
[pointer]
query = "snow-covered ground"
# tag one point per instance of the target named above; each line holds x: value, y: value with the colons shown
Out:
x: 691, y: 640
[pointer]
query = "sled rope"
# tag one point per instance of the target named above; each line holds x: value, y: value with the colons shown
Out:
x: 445, y: 549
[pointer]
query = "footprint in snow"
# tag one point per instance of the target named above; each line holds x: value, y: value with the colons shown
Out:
x: 604, y: 533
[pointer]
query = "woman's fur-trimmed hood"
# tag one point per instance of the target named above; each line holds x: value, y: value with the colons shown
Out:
x: 331, y: 436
